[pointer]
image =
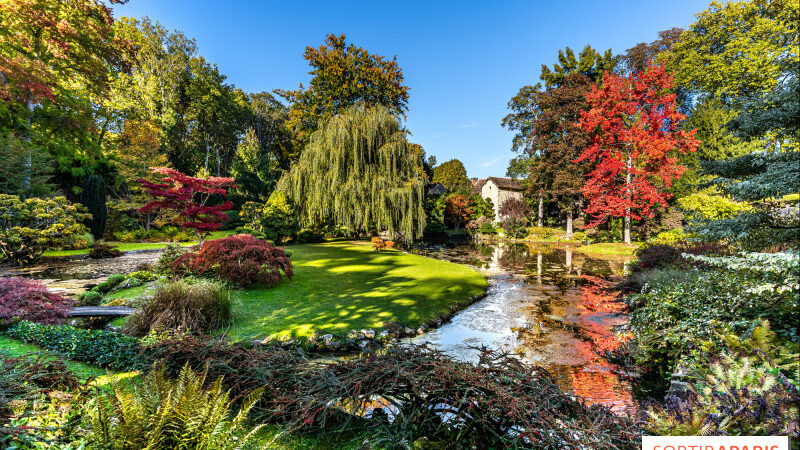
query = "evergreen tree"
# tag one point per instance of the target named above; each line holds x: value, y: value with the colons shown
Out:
x: 93, y: 196
x: 359, y: 172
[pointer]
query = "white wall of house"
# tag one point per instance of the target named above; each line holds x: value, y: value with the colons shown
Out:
x: 491, y: 191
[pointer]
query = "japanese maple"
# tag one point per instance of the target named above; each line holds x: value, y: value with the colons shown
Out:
x: 189, y: 196
x: 457, y: 209
x: 633, y: 123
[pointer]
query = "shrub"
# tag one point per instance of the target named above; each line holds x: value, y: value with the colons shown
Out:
x: 168, y: 256
x: 275, y: 218
x: 240, y: 259
x: 185, y: 306
x: 162, y: 413
x: 309, y: 236
x: 514, y: 213
x: 110, y: 283
x: 722, y: 294
x: 434, y: 229
x: 543, y: 234
x: 90, y: 298
x: 30, y: 300
x: 78, y: 241
x: 103, y: 250
x: 101, y: 348
x: 143, y: 275
x: 579, y: 236
x: 663, y: 255
x: 29, y: 227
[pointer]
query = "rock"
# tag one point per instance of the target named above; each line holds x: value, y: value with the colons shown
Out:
x: 363, y: 344
x: 408, y: 331
x: 328, y: 339
x: 384, y: 334
x: 421, y: 329
x: 439, y: 323
x: 369, y: 334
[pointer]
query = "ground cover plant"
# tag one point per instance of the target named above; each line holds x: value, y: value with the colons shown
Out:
x: 341, y: 286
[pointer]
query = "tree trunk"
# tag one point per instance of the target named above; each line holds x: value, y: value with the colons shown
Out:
x: 569, y: 222
x: 540, y: 222
x: 627, y: 230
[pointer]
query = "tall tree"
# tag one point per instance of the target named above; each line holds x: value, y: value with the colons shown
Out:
x: 453, y: 176
x: 533, y: 139
x: 151, y: 90
x: 637, y: 57
x: 636, y: 138
x: 343, y: 75
x: 360, y: 172
x: 734, y: 49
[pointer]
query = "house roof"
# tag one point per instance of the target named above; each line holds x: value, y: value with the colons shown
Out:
x: 506, y: 183
x: 436, y: 189
x: 477, y: 184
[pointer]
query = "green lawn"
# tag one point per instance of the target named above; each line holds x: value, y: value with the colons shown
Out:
x: 608, y: 248
x: 130, y: 246
x: 339, y: 286
x: 18, y: 348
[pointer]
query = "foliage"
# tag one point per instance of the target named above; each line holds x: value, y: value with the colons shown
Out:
x: 25, y: 378
x: 732, y: 294
x: 183, y: 306
x: 634, y: 126
x: 514, y: 213
x: 275, y: 219
x: 308, y: 236
x: 93, y: 197
x: 98, y: 347
x: 458, y: 209
x: 103, y: 250
x: 29, y: 227
x: 637, y: 57
x: 110, y: 283
x: 344, y: 75
x: 379, y: 244
x: 709, y: 204
x: 189, y: 196
x: 90, y: 298
x: 453, y: 176
x: 239, y: 259
x: 736, y: 388
x: 525, y: 107
x: 733, y: 49
x: 26, y: 299
x: 482, y: 207
x: 359, y: 172
x: 669, y: 256
x: 168, y: 256
x: 162, y: 413
x: 482, y: 225
x: 762, y: 179
x: 27, y: 170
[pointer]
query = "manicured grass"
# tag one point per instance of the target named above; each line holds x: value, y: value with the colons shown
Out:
x: 126, y: 293
x: 608, y: 248
x: 339, y: 286
x: 131, y: 246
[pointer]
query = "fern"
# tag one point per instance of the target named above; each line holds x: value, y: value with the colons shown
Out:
x: 163, y: 413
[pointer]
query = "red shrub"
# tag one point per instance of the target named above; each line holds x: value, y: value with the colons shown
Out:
x: 30, y: 300
x: 241, y: 259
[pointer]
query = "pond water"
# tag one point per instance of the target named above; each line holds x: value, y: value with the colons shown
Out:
x: 72, y: 276
x: 543, y: 306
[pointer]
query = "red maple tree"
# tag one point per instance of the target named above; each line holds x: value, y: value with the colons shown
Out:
x: 189, y: 196
x: 457, y: 210
x: 633, y: 122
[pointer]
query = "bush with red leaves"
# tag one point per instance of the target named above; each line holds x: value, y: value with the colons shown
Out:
x: 240, y: 259
x: 30, y: 300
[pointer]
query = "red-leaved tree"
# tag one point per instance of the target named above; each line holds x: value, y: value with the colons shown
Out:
x: 633, y: 122
x: 457, y: 209
x: 189, y: 196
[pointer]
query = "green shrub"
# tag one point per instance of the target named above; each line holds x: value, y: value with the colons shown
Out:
x: 29, y: 227
x: 79, y: 241
x: 192, y: 306
x: 579, y: 236
x: 162, y: 413
x: 98, y: 347
x: 275, y: 218
x: 143, y: 276
x: 308, y: 236
x: 541, y: 233
x: 168, y: 256
x: 90, y: 298
x: 725, y: 294
x: 109, y: 284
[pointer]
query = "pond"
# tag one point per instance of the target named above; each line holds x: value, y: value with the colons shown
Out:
x: 74, y: 275
x: 543, y: 306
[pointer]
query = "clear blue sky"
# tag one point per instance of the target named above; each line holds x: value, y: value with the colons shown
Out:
x: 462, y: 60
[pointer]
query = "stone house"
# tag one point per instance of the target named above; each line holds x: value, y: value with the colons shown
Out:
x: 498, y: 190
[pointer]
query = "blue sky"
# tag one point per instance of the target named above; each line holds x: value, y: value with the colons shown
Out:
x: 462, y: 60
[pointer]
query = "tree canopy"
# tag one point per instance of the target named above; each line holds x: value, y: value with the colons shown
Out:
x: 359, y: 172
x: 453, y: 176
x: 342, y: 76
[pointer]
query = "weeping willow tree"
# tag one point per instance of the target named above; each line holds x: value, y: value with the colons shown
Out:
x: 359, y: 172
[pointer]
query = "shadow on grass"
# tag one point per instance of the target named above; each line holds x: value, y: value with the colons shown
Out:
x: 338, y: 287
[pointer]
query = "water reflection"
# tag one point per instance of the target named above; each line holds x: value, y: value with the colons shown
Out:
x: 542, y: 305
